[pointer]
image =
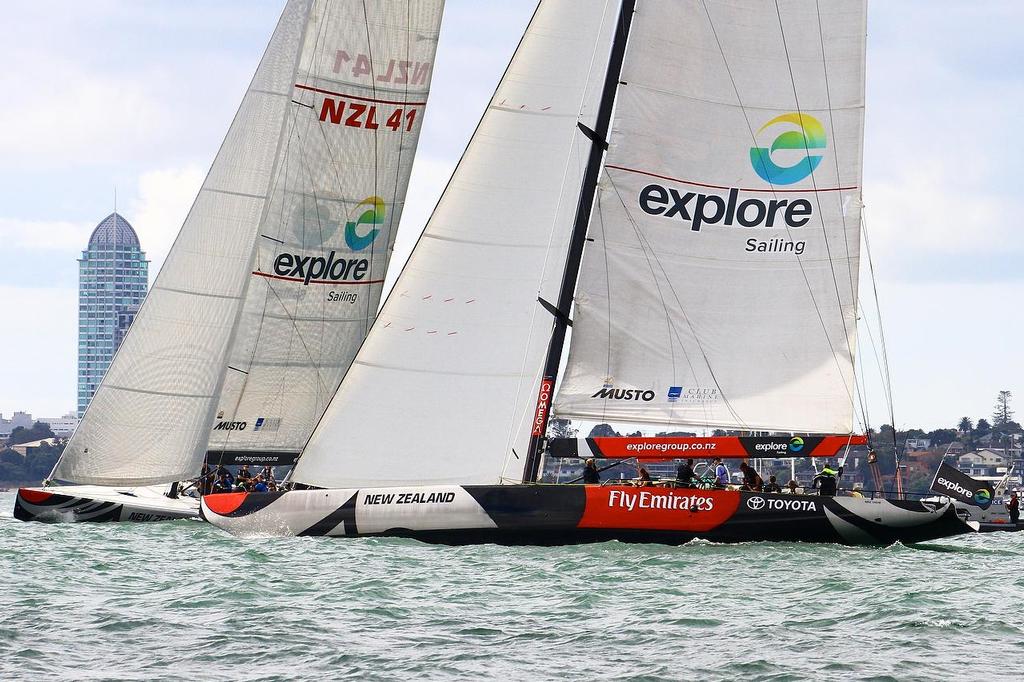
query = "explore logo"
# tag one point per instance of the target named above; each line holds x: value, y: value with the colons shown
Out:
x: 810, y: 135
x: 796, y: 444
x: 334, y: 268
x: 374, y: 215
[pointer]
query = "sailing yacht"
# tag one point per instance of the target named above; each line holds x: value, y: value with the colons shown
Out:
x: 276, y: 274
x: 678, y: 182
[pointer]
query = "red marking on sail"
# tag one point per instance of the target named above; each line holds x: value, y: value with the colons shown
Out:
x: 224, y: 503
x: 335, y: 282
x: 773, y: 190
x: 361, y: 99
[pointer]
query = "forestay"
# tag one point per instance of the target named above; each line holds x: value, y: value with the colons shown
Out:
x: 720, y: 288
x: 335, y: 203
x: 443, y: 389
x: 314, y: 163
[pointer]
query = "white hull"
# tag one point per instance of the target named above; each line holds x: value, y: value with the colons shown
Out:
x: 81, y: 503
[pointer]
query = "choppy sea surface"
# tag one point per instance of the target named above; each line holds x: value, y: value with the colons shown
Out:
x: 182, y: 600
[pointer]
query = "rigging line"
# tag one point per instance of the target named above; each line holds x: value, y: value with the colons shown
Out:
x: 282, y: 172
x: 881, y: 331
x: 803, y: 271
x: 608, y: 295
x: 275, y: 171
x: 528, y: 414
x: 281, y: 179
x: 814, y: 180
x: 393, y: 231
x: 376, y: 156
x: 321, y: 51
x: 878, y: 361
x: 897, y: 480
x: 835, y: 156
x: 649, y: 252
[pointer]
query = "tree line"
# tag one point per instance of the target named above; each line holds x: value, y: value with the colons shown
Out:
x: 32, y: 468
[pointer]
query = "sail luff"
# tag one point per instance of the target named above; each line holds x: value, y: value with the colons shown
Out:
x: 567, y: 291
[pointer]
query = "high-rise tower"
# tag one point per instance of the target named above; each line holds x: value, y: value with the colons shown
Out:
x: 113, y: 276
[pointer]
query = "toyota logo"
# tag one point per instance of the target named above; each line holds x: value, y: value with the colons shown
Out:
x: 756, y: 503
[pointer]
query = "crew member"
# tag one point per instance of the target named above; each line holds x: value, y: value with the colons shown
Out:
x: 591, y: 475
x: 685, y: 474
x: 643, y: 479
x: 772, y: 486
x: 825, y: 481
x: 751, y: 479
x: 223, y: 484
x: 721, y: 474
x: 1013, y: 506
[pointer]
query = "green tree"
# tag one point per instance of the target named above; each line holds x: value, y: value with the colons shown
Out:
x: 941, y: 436
x: 1002, y: 413
x: 9, y: 456
x: 40, y: 461
x: 38, y: 431
x: 983, y: 427
x: 965, y: 425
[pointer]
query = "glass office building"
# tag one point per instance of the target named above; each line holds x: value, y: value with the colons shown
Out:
x: 113, y: 275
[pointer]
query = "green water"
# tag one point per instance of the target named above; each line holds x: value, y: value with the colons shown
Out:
x: 182, y: 600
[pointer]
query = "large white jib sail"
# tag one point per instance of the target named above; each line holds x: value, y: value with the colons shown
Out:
x: 276, y: 274
x: 443, y: 390
x: 720, y: 285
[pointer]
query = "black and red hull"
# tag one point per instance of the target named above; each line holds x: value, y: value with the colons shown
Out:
x: 557, y: 515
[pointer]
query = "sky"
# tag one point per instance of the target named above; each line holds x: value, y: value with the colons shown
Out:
x: 135, y: 96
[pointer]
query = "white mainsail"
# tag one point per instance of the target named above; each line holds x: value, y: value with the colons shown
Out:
x: 721, y: 285
x: 300, y: 204
x: 444, y: 388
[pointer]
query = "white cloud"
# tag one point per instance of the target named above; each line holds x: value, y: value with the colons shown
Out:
x: 948, y: 354
x: 164, y: 199
x: 44, y: 234
x: 38, y: 364
x: 926, y: 207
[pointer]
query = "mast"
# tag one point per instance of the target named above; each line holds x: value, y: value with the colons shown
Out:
x: 578, y: 238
